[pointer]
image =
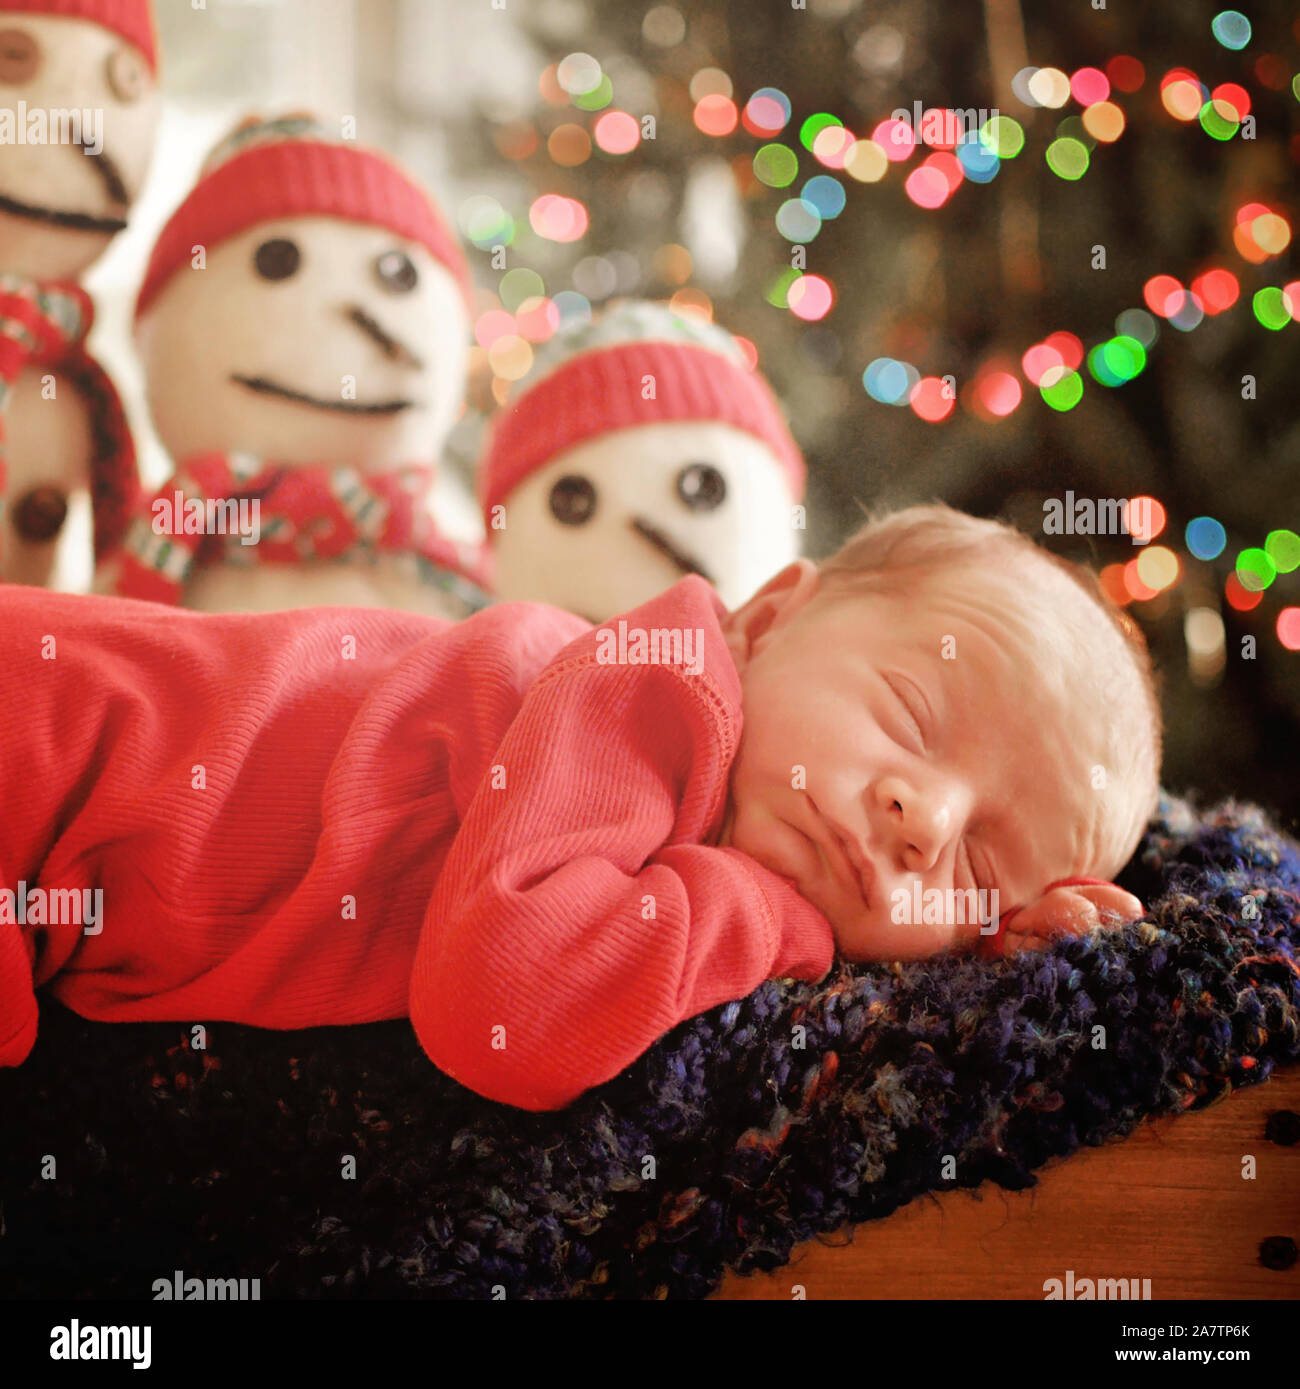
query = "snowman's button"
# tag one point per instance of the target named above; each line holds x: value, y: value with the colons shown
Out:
x: 573, y: 500
x: 39, y: 514
x: 127, y: 75
x: 277, y: 259
x: 20, y: 56
x: 397, y: 272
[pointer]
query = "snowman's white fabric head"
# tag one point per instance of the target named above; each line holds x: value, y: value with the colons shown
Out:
x: 78, y: 116
x: 641, y: 447
x: 325, y: 317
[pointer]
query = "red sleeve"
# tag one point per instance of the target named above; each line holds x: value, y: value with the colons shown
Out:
x: 578, y: 917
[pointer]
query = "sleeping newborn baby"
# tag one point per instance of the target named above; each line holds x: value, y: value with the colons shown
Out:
x: 548, y: 843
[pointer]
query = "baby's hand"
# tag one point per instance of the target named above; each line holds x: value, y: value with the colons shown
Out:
x: 1069, y: 911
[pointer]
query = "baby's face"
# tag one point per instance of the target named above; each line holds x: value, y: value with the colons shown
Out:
x: 896, y: 746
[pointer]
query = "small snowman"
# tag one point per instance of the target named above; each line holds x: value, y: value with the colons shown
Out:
x: 78, y: 116
x: 640, y: 448
x: 304, y: 328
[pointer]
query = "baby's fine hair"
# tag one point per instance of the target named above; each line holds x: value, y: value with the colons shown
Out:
x: 895, y: 552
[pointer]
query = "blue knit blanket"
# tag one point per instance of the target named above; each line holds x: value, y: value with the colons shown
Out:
x: 339, y: 1162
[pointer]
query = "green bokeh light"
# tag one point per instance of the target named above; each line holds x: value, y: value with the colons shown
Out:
x: 1217, y: 126
x: 1255, y: 570
x: 1003, y: 136
x: 776, y: 165
x: 813, y: 127
x: 778, y: 291
x: 1064, y: 394
x: 1270, y: 307
x: 1283, y: 549
x: 1067, y: 158
x: 598, y: 98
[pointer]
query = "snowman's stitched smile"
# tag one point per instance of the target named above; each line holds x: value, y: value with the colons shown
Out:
x: 262, y: 386
x: 72, y: 221
x: 687, y: 563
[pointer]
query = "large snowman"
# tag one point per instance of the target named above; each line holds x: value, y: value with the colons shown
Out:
x: 304, y: 328
x: 78, y: 115
x: 640, y: 448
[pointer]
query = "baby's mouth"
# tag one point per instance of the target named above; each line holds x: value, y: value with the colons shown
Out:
x: 855, y: 868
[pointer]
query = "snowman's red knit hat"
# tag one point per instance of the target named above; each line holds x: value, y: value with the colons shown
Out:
x: 289, y: 168
x: 604, y: 388
x: 132, y: 19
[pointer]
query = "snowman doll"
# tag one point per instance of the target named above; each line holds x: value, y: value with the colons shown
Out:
x: 304, y: 326
x: 78, y: 114
x: 640, y: 448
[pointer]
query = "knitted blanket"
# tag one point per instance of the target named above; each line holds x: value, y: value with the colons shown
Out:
x: 339, y: 1162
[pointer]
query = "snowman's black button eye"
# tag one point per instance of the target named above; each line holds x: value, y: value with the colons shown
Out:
x: 573, y: 500
x: 701, y: 486
x: 278, y: 259
x: 397, y: 272
x: 39, y: 514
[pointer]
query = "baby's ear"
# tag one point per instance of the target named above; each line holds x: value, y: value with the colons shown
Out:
x: 775, y: 604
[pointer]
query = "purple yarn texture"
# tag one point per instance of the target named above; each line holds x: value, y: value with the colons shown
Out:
x: 743, y: 1133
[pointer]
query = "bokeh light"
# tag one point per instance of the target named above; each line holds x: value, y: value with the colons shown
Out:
x: 927, y: 187
x: 1127, y: 74
x: 485, y: 222
x: 1112, y: 582
x: 890, y: 381
x: 1232, y: 99
x: 932, y: 399
x: 1067, y: 158
x: 1255, y: 570
x: 494, y: 324
x: 1068, y: 347
x: 1139, y: 590
x: 1271, y: 307
x: 577, y: 75
x: 518, y: 285
x: 1219, y: 120
x: 1003, y: 136
x: 557, y: 218
x: 995, y: 394
x: 1231, y: 28
x: 1182, y: 97
x: 1217, y: 290
x: 1104, y: 121
x: 537, y: 319
x: 1050, y: 87
x: 831, y: 146
x: 1064, y: 392
x: 798, y: 220
x: 776, y: 165
x: 1189, y: 313
x: 866, y: 162
x: 1137, y: 323
x: 1146, y: 518
x: 1240, y: 598
x: 978, y: 162
x: 1157, y: 567
x: 510, y: 357
x: 895, y: 138
x: 716, y: 115
x: 766, y: 112
x: 810, y: 297
x: 710, y: 82
x: 617, y: 132
x: 1288, y: 628
x: 1283, y: 549
x: 1089, y: 86
x: 826, y: 194
x: 664, y: 26
x: 1163, y: 295
x: 569, y: 145
x: 814, y: 125
x: 1038, y: 361
x: 598, y: 98
x: 1206, y: 537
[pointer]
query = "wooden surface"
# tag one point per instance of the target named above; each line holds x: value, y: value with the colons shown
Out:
x: 1168, y: 1203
